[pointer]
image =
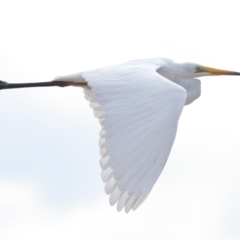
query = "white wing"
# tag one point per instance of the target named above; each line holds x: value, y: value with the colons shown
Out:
x: 139, y: 111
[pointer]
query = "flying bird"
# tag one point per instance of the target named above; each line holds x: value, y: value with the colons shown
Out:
x: 138, y: 105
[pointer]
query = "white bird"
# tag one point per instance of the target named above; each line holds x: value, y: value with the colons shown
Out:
x: 138, y: 105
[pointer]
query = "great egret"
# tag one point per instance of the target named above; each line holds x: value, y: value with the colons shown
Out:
x: 138, y: 105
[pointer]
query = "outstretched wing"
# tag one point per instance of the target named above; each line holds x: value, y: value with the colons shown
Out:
x: 139, y: 111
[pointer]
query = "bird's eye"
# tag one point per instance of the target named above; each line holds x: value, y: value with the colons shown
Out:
x: 198, y: 69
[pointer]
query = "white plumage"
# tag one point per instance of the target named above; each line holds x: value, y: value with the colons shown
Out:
x: 139, y: 111
x: 138, y: 105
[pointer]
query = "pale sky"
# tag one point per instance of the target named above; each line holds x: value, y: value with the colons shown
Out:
x: 50, y: 185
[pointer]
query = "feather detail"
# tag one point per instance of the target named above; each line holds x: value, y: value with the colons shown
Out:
x: 138, y: 110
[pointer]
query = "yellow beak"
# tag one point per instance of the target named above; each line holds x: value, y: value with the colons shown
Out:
x: 215, y: 71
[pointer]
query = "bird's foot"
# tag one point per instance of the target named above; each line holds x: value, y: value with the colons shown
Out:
x: 2, y: 84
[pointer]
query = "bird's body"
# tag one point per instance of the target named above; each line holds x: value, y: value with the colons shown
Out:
x: 164, y: 67
x: 138, y: 105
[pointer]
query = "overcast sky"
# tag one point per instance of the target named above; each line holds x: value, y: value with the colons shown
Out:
x: 50, y: 185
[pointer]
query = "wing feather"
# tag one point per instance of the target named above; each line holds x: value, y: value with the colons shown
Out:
x: 138, y: 110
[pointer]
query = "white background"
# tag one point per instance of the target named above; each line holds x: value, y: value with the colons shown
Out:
x: 50, y: 186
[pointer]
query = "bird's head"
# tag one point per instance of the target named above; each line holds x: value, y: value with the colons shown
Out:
x: 193, y: 70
